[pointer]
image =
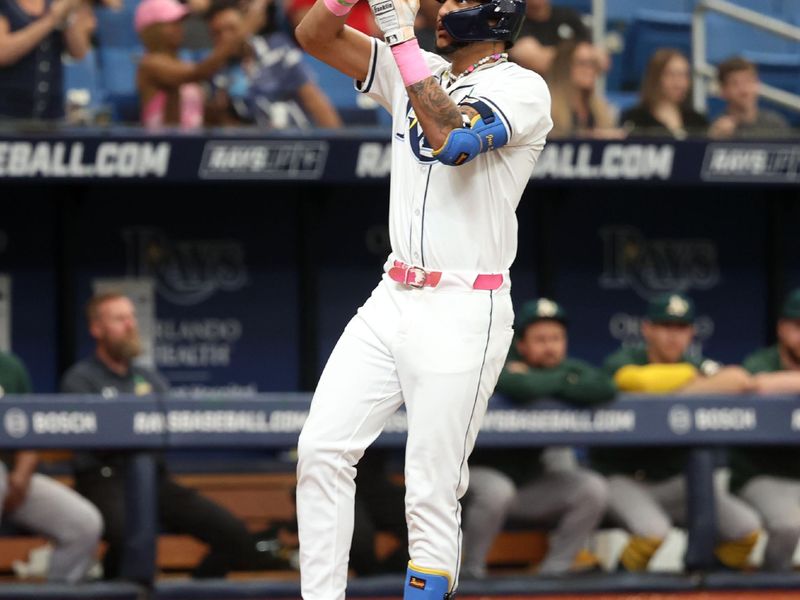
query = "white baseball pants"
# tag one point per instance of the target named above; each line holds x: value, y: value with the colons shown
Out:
x: 437, y: 350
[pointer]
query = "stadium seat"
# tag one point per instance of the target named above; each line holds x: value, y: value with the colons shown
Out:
x: 715, y: 106
x: 622, y: 101
x: 84, y: 75
x: 767, y: 7
x: 353, y: 107
x: 582, y: 6
x: 625, y: 10
x: 649, y: 31
x: 118, y: 75
x: 781, y: 71
x: 726, y: 37
x: 790, y: 11
x: 115, y: 28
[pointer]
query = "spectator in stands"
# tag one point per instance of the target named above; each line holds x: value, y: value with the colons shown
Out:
x: 768, y: 477
x: 577, y: 107
x: 42, y: 505
x: 33, y: 36
x: 197, y: 36
x: 267, y: 83
x: 168, y: 90
x: 738, y: 84
x: 664, y: 108
x: 100, y: 475
x: 513, y: 482
x: 647, y: 489
x: 545, y: 27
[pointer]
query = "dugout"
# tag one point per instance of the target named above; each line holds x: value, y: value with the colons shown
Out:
x: 260, y: 249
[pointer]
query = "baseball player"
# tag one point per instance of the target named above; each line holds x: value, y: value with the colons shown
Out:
x: 768, y: 477
x: 513, y: 482
x: 647, y: 488
x: 467, y: 131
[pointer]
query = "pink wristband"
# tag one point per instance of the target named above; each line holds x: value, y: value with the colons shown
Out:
x: 339, y: 7
x: 408, y: 57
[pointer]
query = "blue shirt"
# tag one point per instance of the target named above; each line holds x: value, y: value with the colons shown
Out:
x: 266, y: 92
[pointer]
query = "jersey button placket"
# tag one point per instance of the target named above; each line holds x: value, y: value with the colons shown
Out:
x: 416, y: 230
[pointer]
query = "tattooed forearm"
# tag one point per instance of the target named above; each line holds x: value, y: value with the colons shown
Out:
x: 437, y: 113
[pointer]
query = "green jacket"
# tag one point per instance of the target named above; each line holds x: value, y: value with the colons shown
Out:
x: 573, y: 381
x: 766, y: 360
x: 14, y: 379
x: 775, y: 461
x: 652, y: 463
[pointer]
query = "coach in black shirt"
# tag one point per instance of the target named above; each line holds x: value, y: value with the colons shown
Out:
x: 100, y: 476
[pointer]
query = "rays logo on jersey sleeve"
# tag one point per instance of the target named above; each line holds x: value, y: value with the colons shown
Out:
x: 416, y: 137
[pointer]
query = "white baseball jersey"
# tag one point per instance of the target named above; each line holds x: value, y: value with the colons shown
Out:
x: 436, y: 350
x: 460, y: 218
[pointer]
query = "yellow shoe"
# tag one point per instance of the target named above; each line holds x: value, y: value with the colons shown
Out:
x: 637, y: 554
x: 584, y: 561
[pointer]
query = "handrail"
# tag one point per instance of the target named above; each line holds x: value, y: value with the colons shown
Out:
x: 752, y: 17
x: 703, y: 71
x: 599, y: 36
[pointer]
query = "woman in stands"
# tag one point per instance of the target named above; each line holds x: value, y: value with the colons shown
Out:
x: 33, y: 35
x: 577, y: 107
x: 168, y: 86
x: 664, y: 108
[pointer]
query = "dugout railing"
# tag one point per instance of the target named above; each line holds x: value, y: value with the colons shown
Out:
x: 142, y: 425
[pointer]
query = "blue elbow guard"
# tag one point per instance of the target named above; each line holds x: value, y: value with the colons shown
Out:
x: 426, y: 584
x: 461, y: 146
x: 485, y: 133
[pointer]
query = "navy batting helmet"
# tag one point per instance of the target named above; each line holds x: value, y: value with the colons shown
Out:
x: 498, y: 20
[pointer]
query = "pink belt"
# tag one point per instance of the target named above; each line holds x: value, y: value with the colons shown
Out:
x: 418, y: 277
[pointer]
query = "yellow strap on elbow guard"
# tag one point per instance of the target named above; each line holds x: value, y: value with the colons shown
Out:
x: 658, y: 378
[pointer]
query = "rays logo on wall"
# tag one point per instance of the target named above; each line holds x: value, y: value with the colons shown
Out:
x: 416, y: 138
x: 653, y: 266
x: 186, y: 272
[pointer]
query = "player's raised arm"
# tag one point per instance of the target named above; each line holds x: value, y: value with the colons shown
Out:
x: 323, y: 34
x: 438, y: 115
x: 473, y: 34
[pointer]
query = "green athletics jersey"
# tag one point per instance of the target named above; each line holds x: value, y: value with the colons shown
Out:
x: 652, y: 463
x: 573, y: 381
x: 766, y: 360
x: 747, y: 462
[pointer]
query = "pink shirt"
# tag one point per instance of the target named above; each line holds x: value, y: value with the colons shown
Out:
x: 191, y: 108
